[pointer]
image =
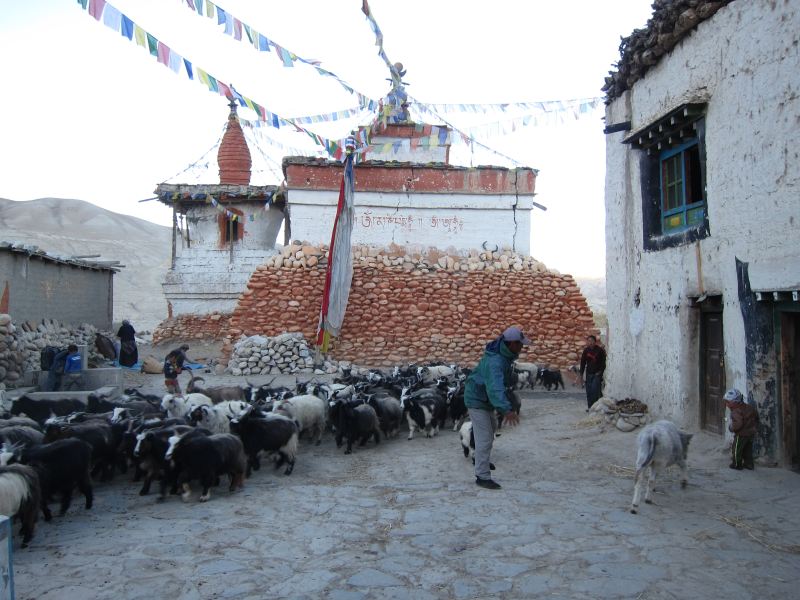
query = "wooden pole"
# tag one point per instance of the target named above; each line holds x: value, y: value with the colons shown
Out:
x: 174, y: 233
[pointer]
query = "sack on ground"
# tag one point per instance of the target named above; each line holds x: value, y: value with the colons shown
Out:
x: 152, y: 365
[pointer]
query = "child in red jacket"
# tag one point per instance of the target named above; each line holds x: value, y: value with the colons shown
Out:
x: 744, y: 425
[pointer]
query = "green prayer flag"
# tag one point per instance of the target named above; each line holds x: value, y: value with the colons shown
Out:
x: 152, y: 45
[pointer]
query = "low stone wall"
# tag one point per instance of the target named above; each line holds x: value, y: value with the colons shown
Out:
x: 407, y: 307
x: 213, y: 326
x: 21, y: 345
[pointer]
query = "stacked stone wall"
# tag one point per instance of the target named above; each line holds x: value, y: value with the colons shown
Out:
x: 413, y: 308
x: 214, y: 326
x: 21, y: 345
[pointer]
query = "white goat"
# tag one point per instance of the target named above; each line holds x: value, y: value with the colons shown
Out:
x: 660, y: 445
x: 526, y: 373
x: 217, y: 418
x: 467, y: 441
x: 178, y: 407
x: 431, y: 374
x: 308, y: 410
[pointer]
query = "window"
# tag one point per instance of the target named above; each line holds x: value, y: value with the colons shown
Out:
x: 672, y: 168
x: 682, y: 199
x: 231, y: 230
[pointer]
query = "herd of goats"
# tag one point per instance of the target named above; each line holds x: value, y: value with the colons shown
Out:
x: 49, y: 447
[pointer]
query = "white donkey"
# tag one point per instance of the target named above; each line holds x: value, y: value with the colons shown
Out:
x: 660, y: 445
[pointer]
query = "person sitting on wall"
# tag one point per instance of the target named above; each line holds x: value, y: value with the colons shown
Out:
x: 128, y: 352
x: 73, y: 366
x: 173, y: 366
x: 56, y: 371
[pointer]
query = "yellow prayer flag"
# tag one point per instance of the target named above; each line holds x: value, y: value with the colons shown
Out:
x: 140, y: 35
x: 203, y: 76
x: 210, y: 9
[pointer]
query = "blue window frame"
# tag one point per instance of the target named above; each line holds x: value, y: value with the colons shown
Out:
x: 683, y: 204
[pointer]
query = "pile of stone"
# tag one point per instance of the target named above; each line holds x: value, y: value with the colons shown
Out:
x: 672, y: 20
x: 626, y: 415
x: 302, y: 255
x: 287, y: 353
x: 21, y: 345
x: 11, y: 359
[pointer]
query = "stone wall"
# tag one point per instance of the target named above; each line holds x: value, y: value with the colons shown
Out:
x: 408, y: 307
x: 21, y: 345
x: 193, y: 327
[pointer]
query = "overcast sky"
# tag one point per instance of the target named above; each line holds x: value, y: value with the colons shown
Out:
x: 87, y: 114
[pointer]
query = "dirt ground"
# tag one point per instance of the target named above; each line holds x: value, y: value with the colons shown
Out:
x: 404, y: 519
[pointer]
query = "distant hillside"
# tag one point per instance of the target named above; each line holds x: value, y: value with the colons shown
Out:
x: 594, y: 290
x: 74, y: 227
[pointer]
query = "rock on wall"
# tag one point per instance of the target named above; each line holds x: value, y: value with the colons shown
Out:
x: 184, y: 327
x: 414, y: 307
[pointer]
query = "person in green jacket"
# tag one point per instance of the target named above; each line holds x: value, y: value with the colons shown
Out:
x: 485, y: 393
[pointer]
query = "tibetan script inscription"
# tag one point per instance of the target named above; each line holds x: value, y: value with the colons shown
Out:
x: 368, y: 220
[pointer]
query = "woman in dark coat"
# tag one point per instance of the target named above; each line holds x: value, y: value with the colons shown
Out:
x: 128, y: 352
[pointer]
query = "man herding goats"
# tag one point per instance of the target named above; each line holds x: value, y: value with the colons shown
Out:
x: 485, y: 392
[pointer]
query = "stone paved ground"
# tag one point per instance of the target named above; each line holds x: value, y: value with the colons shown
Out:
x: 405, y: 520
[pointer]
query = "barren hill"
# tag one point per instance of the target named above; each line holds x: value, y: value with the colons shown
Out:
x: 74, y: 227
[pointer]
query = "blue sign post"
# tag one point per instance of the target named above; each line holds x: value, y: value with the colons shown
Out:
x: 6, y: 564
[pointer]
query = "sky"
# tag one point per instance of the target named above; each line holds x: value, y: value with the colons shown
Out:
x: 87, y: 114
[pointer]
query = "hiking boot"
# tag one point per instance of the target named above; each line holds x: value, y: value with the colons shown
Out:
x: 733, y: 466
x: 489, y: 484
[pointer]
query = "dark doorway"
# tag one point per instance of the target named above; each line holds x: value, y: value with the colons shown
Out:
x: 712, y: 365
x: 790, y: 388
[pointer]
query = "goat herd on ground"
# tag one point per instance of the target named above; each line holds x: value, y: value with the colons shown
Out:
x: 51, y: 446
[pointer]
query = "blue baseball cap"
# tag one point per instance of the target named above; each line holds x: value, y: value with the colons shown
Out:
x: 514, y: 334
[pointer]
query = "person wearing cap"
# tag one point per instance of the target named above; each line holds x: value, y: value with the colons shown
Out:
x: 173, y: 366
x: 485, y: 393
x: 593, y: 361
x: 744, y: 425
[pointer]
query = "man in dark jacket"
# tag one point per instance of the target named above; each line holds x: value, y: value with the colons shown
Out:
x: 485, y: 392
x: 593, y: 361
x: 744, y: 425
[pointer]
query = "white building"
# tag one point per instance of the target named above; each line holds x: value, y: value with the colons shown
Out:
x: 703, y: 216
x: 221, y: 232
x: 407, y: 194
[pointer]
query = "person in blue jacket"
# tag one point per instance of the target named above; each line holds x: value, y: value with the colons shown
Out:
x: 73, y: 361
x: 485, y: 393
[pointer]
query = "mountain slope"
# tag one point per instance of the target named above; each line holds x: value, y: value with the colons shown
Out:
x: 74, y: 227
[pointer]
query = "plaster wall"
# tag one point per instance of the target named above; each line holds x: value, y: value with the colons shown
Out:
x: 208, y: 275
x: 744, y: 62
x: 459, y: 221
x: 208, y: 280
x: 203, y: 223
x: 40, y: 289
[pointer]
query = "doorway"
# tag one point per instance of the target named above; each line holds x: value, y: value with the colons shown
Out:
x: 712, y: 365
x: 790, y: 388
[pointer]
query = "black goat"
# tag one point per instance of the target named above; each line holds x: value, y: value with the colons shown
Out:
x: 61, y: 466
x: 274, y: 433
x: 354, y: 420
x: 206, y: 458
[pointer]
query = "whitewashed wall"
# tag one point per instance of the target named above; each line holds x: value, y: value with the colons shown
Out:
x: 260, y: 233
x: 744, y: 63
x: 208, y: 278
x: 460, y: 221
